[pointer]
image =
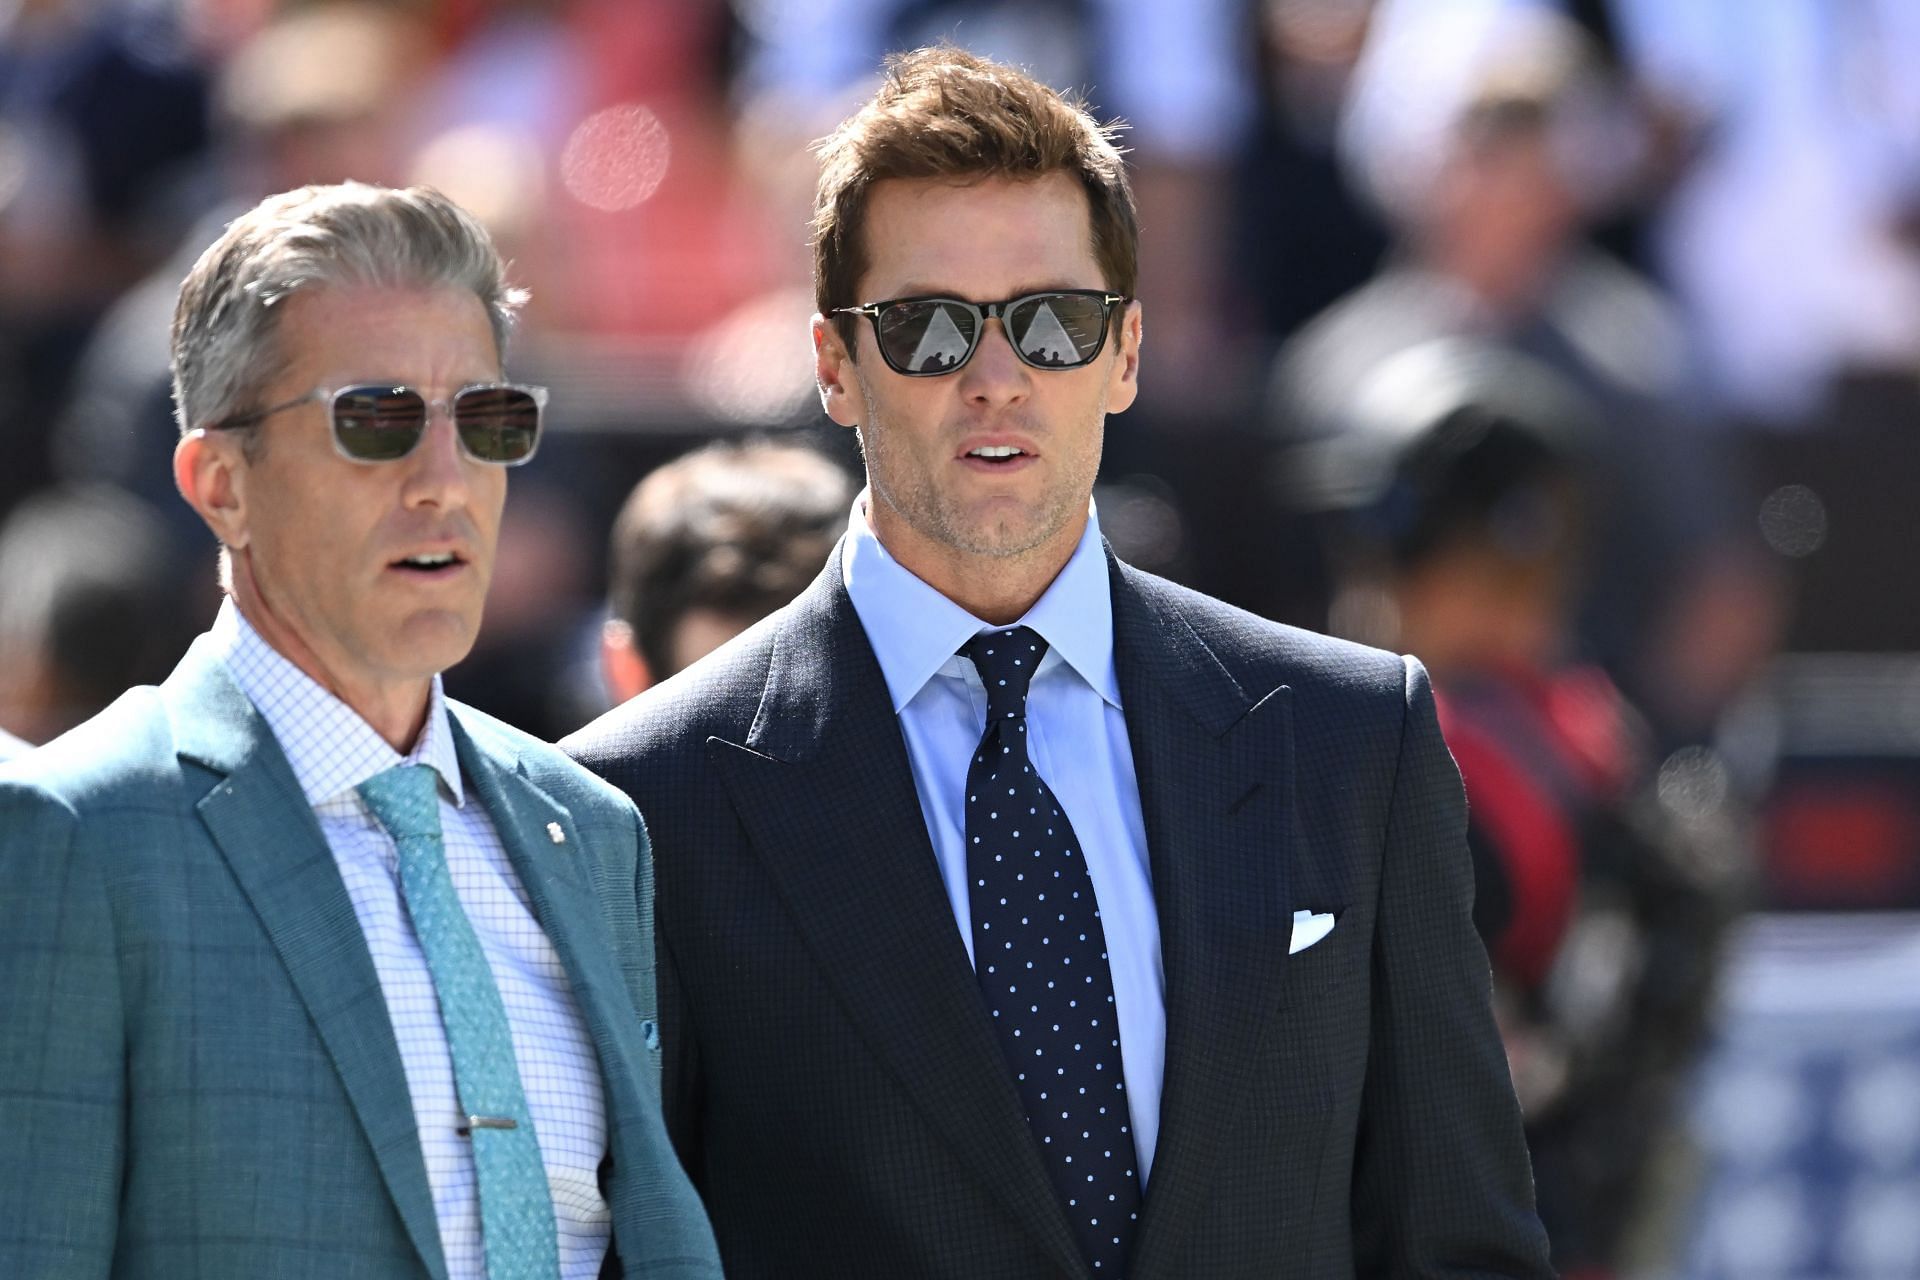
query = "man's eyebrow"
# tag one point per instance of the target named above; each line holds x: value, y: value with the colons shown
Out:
x: 914, y: 289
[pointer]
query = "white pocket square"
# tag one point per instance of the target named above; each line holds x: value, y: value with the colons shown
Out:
x: 1308, y: 928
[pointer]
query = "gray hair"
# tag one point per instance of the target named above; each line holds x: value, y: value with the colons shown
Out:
x: 226, y: 323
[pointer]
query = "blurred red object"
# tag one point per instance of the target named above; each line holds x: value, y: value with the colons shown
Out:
x: 1842, y: 843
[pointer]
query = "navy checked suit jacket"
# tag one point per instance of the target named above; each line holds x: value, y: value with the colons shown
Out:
x: 198, y: 1077
x: 832, y: 1082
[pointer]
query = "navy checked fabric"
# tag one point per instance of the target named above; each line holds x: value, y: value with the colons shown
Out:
x: 516, y: 1209
x: 1041, y: 958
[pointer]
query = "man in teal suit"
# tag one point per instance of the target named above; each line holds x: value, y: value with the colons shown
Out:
x: 308, y: 971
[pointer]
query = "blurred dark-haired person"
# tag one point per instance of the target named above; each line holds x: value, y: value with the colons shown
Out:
x: 310, y: 970
x: 1022, y: 914
x: 1461, y: 492
x: 709, y: 544
x: 92, y: 602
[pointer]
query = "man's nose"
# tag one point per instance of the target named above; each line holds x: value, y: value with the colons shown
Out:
x: 439, y: 462
x: 995, y: 375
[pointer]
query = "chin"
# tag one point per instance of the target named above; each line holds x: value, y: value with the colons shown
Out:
x: 428, y: 643
x: 1001, y: 543
x: 1012, y: 533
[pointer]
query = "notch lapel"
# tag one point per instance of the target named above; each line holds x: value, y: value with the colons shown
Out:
x: 825, y: 791
x: 1215, y: 768
x: 555, y: 876
x: 263, y: 826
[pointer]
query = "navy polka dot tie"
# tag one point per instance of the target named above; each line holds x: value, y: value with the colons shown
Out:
x: 1041, y: 957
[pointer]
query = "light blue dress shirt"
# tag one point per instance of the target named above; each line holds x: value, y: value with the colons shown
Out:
x: 1078, y: 741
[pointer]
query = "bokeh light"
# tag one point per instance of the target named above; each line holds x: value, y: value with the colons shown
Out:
x: 755, y: 367
x: 1793, y: 520
x: 493, y: 173
x: 616, y: 158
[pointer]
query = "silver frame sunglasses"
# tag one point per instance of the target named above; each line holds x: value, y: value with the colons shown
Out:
x: 330, y: 396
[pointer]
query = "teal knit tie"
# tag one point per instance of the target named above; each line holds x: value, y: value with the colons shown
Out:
x: 516, y: 1205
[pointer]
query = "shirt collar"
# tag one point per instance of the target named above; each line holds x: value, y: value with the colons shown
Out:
x: 331, y: 747
x: 914, y: 629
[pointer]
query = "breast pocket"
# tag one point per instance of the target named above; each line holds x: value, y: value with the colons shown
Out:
x: 1316, y: 1047
x: 1324, y: 948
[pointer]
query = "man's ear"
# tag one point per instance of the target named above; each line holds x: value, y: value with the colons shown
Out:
x: 211, y: 474
x: 1126, y: 366
x: 833, y: 373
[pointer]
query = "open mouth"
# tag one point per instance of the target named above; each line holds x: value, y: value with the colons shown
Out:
x: 998, y: 454
x: 433, y: 563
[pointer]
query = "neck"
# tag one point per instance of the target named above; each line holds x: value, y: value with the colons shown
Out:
x: 396, y: 710
x: 997, y: 589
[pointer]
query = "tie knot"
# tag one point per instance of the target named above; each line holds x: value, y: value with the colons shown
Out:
x: 405, y: 800
x: 1006, y: 660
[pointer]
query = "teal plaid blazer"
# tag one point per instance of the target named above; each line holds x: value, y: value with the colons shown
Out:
x: 197, y: 1073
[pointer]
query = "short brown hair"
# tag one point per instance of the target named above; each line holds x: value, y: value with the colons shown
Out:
x: 738, y: 529
x: 945, y: 113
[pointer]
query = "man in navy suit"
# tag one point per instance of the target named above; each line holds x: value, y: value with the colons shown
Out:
x: 1021, y: 914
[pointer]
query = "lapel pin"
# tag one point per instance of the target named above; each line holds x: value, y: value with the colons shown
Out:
x: 555, y: 834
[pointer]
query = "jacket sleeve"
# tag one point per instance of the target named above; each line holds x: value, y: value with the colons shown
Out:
x: 62, y: 1047
x: 1442, y: 1184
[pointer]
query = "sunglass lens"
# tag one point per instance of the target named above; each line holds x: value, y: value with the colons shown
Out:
x: 498, y: 424
x: 926, y: 337
x: 378, y: 424
x: 1059, y: 330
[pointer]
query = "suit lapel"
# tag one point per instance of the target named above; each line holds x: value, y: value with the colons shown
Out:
x: 263, y: 826
x: 825, y: 791
x: 554, y: 874
x: 1214, y: 763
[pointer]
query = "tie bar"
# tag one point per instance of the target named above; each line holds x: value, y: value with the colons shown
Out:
x: 486, y: 1122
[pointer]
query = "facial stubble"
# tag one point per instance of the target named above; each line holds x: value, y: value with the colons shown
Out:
x: 919, y: 502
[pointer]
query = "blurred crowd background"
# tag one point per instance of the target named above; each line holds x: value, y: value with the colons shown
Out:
x: 1574, y: 347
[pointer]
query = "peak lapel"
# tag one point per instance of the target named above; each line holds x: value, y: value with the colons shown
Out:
x: 825, y: 791
x: 1215, y: 768
x: 263, y: 826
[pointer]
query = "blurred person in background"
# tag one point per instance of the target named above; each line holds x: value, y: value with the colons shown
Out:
x: 1460, y: 492
x: 1305, y: 235
x: 318, y: 971
x: 103, y: 123
x: 91, y: 603
x: 708, y: 545
x: 1792, y: 233
x: 1491, y: 140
